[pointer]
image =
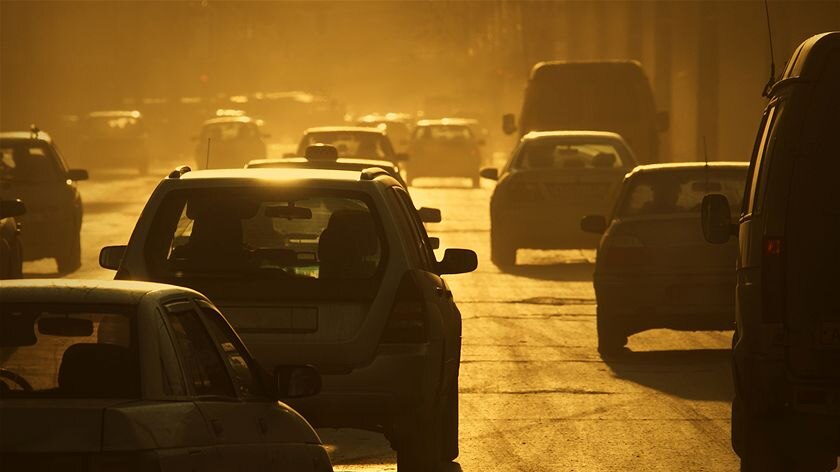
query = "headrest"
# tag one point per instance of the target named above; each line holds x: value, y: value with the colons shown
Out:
x: 354, y: 224
x: 99, y: 370
x: 321, y: 152
x: 603, y: 159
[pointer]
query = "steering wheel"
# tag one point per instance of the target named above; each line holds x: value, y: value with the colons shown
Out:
x: 16, y: 378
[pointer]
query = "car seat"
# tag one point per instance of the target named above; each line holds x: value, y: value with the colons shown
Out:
x: 99, y: 370
x: 346, y: 246
x: 215, y: 242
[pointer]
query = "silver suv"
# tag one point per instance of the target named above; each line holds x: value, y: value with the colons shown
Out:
x: 786, y: 348
x: 322, y: 267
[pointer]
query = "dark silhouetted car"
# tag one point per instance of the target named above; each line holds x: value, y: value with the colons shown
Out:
x: 32, y: 170
x: 445, y: 148
x: 115, y: 139
x: 552, y: 180
x: 104, y: 375
x: 233, y: 140
x: 11, y: 250
x: 653, y: 268
x: 324, y: 267
x: 786, y: 348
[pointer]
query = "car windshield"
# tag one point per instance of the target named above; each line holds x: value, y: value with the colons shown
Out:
x: 113, y: 127
x: 68, y: 351
x: 28, y: 161
x: 565, y: 154
x: 681, y: 192
x: 444, y: 133
x: 351, y: 144
x: 260, y: 233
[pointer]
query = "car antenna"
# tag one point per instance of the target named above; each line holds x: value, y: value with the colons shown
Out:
x: 772, y: 80
x: 207, y: 159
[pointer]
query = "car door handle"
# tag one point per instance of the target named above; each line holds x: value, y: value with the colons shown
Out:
x: 217, y: 427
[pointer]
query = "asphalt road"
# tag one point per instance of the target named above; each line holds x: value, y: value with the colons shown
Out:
x: 535, y: 395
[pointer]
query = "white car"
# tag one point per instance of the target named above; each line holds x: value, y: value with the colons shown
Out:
x: 105, y: 375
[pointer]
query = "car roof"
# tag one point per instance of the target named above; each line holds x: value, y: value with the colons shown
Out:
x: 315, y: 164
x: 572, y: 134
x: 83, y: 291
x: 677, y: 166
x: 809, y: 57
x: 448, y: 122
x: 26, y: 136
x: 280, y: 174
x: 229, y: 119
x: 344, y: 129
x: 114, y: 114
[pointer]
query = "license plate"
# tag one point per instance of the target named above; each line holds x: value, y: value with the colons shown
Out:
x: 828, y: 336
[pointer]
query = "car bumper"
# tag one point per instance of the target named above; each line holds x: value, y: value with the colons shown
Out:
x: 676, y: 301
x: 542, y: 227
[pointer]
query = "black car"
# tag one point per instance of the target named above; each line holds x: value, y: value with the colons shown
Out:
x: 11, y: 252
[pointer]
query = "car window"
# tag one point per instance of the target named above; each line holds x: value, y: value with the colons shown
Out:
x: 759, y: 174
x: 28, y: 161
x: 199, y: 358
x: 564, y: 154
x: 444, y: 133
x: 266, y: 234
x: 172, y: 377
x: 113, y: 127
x: 81, y: 351
x: 245, y: 375
x: 350, y: 144
x: 419, y: 238
x: 220, y: 132
x: 680, y: 192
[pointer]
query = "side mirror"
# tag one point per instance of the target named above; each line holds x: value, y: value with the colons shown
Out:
x: 429, y: 215
x: 297, y: 381
x: 11, y: 208
x: 716, y: 219
x: 509, y: 123
x: 457, y: 261
x: 489, y: 173
x: 401, y: 157
x: 110, y: 257
x: 434, y: 242
x: 662, y: 121
x: 593, y: 224
x: 77, y: 174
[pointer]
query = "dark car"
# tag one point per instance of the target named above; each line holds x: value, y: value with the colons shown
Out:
x: 445, y: 148
x: 115, y: 139
x: 11, y: 250
x: 552, y: 180
x: 653, y: 268
x: 786, y: 348
x: 32, y: 170
x: 233, y: 141
x: 358, y: 142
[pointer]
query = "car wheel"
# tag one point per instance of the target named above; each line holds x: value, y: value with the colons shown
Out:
x: 449, y: 425
x: 502, y: 251
x: 70, y: 258
x: 419, y: 450
x: 16, y: 259
x: 611, y: 337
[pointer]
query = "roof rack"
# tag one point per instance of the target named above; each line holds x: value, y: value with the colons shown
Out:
x: 372, y: 172
x: 34, y: 131
x: 179, y: 171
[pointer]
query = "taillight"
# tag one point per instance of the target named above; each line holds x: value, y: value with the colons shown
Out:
x: 624, y: 251
x: 773, y: 280
x: 407, y: 322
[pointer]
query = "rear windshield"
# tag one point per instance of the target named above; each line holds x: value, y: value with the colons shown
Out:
x: 351, y: 144
x: 681, y: 192
x: 229, y: 131
x: 328, y: 237
x: 75, y: 351
x: 114, y: 127
x: 28, y: 161
x: 565, y: 154
x: 444, y: 133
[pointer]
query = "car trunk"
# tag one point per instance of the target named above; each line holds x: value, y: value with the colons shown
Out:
x: 570, y: 193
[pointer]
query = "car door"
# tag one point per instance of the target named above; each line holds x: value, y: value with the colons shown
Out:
x: 285, y: 435
x: 234, y: 423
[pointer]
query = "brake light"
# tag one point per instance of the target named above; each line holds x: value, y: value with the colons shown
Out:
x: 407, y: 322
x: 773, y: 280
x: 624, y: 250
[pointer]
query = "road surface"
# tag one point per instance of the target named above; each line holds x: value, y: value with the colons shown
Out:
x: 535, y: 395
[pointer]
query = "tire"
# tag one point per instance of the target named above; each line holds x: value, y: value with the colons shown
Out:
x: 611, y: 337
x: 502, y: 251
x: 449, y: 425
x: 70, y: 258
x: 419, y: 450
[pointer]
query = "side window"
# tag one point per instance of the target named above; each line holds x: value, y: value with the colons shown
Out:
x: 418, y: 231
x: 172, y: 378
x: 762, y: 161
x: 245, y: 375
x: 201, y: 361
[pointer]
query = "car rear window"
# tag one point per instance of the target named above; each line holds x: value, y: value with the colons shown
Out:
x: 113, y: 127
x: 27, y: 161
x: 350, y: 144
x: 564, y: 154
x: 681, y: 192
x: 70, y: 351
x: 236, y: 232
x: 444, y: 133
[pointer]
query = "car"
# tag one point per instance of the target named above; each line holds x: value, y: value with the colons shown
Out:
x: 359, y: 142
x: 233, y: 140
x: 395, y: 125
x: 11, y: 250
x: 786, y: 346
x: 551, y: 181
x: 315, y: 158
x: 445, y: 148
x: 33, y: 170
x: 323, y: 267
x: 115, y: 139
x: 114, y: 375
x: 653, y: 269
